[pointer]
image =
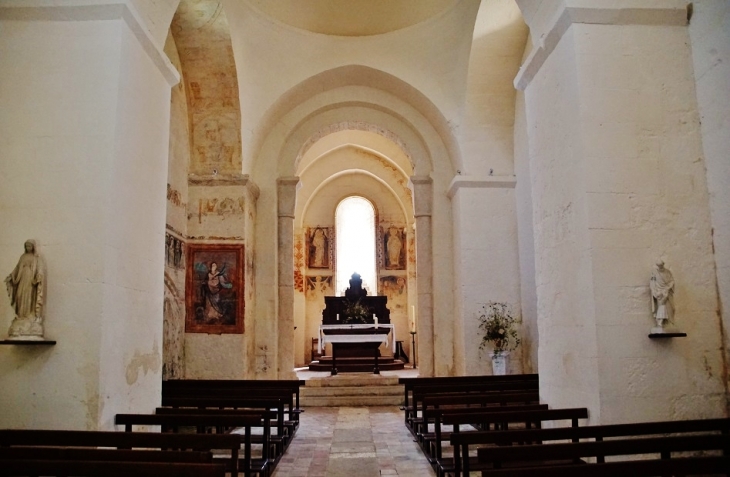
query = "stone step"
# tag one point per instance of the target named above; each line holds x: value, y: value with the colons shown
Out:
x: 351, y: 401
x: 352, y: 390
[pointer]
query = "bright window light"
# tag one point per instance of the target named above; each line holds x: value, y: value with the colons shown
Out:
x: 355, y: 229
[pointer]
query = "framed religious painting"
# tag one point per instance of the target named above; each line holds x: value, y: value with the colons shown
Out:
x: 214, y: 289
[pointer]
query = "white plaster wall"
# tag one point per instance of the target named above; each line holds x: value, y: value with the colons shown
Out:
x: 131, y: 356
x: 567, y: 353
x: 646, y: 198
x: 619, y: 181
x: 486, y: 262
x: 59, y: 83
x: 486, y: 132
x: 710, y: 39
x: 431, y: 56
x: 78, y: 168
x: 525, y: 239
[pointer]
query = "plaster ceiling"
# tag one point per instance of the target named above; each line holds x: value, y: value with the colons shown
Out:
x: 351, y: 17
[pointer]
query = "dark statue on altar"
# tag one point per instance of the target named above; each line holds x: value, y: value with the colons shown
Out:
x: 356, y: 307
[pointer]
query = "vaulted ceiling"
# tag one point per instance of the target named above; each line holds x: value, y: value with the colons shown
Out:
x: 352, y: 17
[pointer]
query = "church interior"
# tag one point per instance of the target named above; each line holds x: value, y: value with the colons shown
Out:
x: 191, y: 172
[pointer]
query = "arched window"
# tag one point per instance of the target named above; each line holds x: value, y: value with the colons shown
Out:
x: 355, y: 231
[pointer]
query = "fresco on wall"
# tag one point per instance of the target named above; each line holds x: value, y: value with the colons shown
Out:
x: 175, y: 197
x: 173, y: 332
x: 214, y: 289
x: 216, y: 142
x: 174, y: 252
x: 319, y: 286
x: 299, y: 263
x: 394, y: 248
x: 319, y: 247
x: 393, y: 287
x: 221, y: 207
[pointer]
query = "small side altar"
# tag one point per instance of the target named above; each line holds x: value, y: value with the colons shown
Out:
x: 356, y: 325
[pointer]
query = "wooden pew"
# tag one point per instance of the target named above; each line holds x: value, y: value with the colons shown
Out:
x: 462, y: 441
x: 15, y: 444
x: 490, y: 398
x: 420, y: 391
x: 284, y: 432
x: 174, y: 422
x: 94, y: 454
x: 540, y: 457
x: 81, y: 468
x: 499, y: 421
x: 431, y: 441
x: 445, y: 381
x: 234, y: 387
x: 269, y: 450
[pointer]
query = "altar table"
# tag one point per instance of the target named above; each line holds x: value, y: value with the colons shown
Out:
x: 355, y: 333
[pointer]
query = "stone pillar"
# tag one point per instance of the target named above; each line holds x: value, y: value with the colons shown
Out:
x: 85, y: 133
x: 286, y: 190
x: 618, y: 181
x: 486, y: 265
x: 422, y: 206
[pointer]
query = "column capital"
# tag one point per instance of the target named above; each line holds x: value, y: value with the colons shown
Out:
x: 633, y: 12
x: 286, y: 192
x: 422, y: 187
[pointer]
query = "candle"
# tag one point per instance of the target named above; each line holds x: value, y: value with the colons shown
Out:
x: 375, y: 317
x: 413, y: 318
x: 338, y: 317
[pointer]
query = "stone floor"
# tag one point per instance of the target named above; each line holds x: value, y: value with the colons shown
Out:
x: 353, y: 442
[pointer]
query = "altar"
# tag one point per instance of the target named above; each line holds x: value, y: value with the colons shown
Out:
x: 355, y: 326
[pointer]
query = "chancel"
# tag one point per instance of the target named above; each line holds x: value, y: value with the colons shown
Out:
x: 356, y: 325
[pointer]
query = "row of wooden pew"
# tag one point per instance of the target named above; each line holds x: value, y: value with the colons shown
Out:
x: 239, y: 426
x: 496, y: 425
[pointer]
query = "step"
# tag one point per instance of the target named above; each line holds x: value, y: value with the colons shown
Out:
x: 351, y: 401
x: 352, y: 390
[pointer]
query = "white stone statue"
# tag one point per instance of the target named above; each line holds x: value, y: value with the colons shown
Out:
x: 25, y: 289
x: 662, y: 292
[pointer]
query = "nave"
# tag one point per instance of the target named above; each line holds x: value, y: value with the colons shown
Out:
x: 353, y: 442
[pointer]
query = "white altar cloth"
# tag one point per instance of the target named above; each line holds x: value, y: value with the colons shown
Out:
x: 374, y: 338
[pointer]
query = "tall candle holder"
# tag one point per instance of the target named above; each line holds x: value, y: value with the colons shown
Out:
x: 413, y: 348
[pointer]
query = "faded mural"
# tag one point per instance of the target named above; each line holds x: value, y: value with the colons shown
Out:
x: 173, y: 332
x: 394, y: 247
x: 320, y: 247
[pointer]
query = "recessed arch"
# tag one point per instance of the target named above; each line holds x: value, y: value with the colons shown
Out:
x: 352, y: 126
x: 347, y: 86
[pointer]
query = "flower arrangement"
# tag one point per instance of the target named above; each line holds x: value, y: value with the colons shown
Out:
x: 355, y: 312
x: 497, y: 323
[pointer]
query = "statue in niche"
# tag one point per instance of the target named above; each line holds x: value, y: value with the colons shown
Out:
x: 661, y: 285
x: 318, y: 249
x: 394, y: 249
x: 25, y: 289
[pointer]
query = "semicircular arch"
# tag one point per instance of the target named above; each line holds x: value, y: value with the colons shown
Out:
x: 309, y: 109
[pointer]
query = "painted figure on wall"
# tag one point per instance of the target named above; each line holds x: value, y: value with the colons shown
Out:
x: 661, y: 285
x: 394, y: 249
x: 318, y: 248
x: 25, y: 289
x: 214, y: 288
x: 215, y: 306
